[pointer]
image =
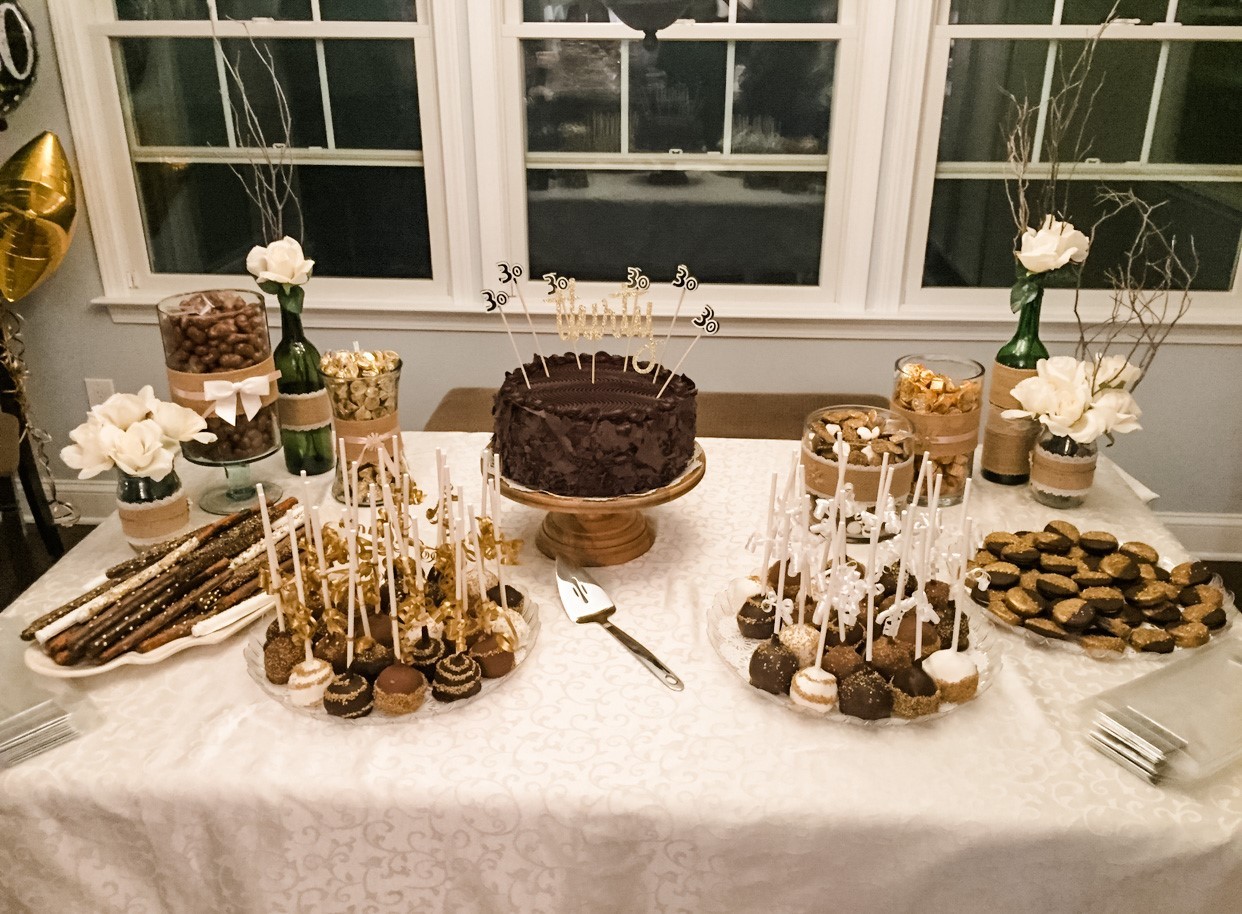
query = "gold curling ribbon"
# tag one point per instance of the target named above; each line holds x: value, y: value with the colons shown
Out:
x: 366, y: 434
x: 186, y: 387
x: 154, y: 519
x: 943, y: 434
x: 821, y: 478
x: 1071, y: 475
x: 304, y: 412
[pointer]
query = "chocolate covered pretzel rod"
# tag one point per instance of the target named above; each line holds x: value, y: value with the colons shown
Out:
x: 150, y: 556
x: 28, y: 633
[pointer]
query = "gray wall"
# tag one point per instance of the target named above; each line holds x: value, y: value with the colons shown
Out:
x: 1188, y: 451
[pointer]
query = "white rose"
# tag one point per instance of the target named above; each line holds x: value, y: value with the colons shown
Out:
x: 1118, y: 411
x: 1037, y: 396
x: 1090, y: 426
x: 180, y: 424
x: 140, y: 451
x: 281, y: 262
x: 1058, y: 396
x: 90, y: 452
x: 1053, y: 246
x: 1114, y: 371
x: 123, y: 410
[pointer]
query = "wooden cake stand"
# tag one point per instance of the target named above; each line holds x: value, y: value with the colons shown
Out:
x: 601, y: 531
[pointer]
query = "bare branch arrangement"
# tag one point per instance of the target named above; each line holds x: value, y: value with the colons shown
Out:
x: 269, y: 183
x: 1151, y: 289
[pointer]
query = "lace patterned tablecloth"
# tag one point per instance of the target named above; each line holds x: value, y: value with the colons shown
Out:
x: 585, y: 785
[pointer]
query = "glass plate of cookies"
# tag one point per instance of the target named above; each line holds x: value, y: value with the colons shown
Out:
x: 1087, y: 592
x: 378, y: 691
x: 876, y: 694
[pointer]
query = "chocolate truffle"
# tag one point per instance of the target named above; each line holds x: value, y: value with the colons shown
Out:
x: 865, y: 694
x: 803, y: 640
x: 280, y: 657
x: 330, y: 646
x: 944, y: 629
x: 348, y: 695
x: 938, y: 595
x: 381, y: 627
x: 814, y: 689
x: 914, y: 694
x: 400, y: 689
x: 457, y: 676
x: 273, y: 629
x: 370, y: 659
x: 754, y: 620
x: 308, y: 681
x: 841, y: 661
x: 792, y: 581
x: 425, y: 653
x: 905, y: 632
x: 854, y: 634
x: 954, y: 673
x: 772, y: 667
x: 493, y: 659
x: 513, y: 596
x: 889, y: 657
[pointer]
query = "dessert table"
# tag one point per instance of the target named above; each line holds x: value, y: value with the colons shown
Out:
x: 583, y: 784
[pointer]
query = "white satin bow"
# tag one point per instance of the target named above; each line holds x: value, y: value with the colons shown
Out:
x: 226, y: 395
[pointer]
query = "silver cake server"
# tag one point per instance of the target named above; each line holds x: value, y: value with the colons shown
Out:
x: 585, y: 601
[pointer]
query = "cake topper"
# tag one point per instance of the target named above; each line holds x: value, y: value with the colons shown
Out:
x: 510, y: 274
x: 687, y: 283
x: 707, y: 323
x: 496, y: 301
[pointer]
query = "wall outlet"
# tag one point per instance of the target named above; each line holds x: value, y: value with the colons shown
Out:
x: 98, y: 390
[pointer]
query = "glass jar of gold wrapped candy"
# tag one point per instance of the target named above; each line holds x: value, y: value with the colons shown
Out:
x: 941, y: 396
x: 362, y: 387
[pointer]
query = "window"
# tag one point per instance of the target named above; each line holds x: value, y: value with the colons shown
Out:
x: 1165, y: 123
x: 355, y: 76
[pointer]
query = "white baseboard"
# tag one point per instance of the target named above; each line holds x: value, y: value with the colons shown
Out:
x: 1217, y: 537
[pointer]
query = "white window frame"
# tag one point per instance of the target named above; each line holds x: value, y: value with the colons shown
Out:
x: 919, y: 73
x: 862, y: 48
x: 85, y: 30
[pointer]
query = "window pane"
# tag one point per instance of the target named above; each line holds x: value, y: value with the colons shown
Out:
x: 374, y: 94
x: 296, y: 67
x: 677, y: 96
x: 1075, y: 12
x: 597, y: 11
x: 1200, y: 117
x: 198, y: 219
x: 970, y: 240
x: 783, y: 96
x: 174, y: 92
x: 982, y: 71
x: 1209, y: 12
x: 370, y: 10
x: 573, y: 96
x: 161, y: 9
x: 263, y: 9
x: 753, y: 227
x: 787, y: 11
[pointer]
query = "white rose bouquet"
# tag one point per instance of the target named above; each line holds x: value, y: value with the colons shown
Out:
x: 281, y: 270
x: 1043, y: 252
x: 1082, y: 401
x: 138, y: 433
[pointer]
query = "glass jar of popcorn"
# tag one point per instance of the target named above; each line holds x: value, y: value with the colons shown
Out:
x: 869, y: 434
x: 362, y: 388
x: 941, y: 396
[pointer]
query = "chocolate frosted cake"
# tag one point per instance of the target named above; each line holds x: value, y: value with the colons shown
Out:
x: 568, y: 436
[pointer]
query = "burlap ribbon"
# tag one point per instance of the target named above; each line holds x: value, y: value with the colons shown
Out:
x: 152, y: 520
x: 1062, y: 475
x: 361, y: 436
x: 246, y: 389
x: 943, y: 434
x: 1007, y: 443
x: 821, y: 478
x: 304, y: 412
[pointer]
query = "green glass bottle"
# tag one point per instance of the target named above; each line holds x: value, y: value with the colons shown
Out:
x: 305, y: 413
x: 1007, y: 442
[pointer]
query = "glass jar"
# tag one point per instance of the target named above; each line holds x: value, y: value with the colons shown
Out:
x: 365, y: 410
x: 151, y: 510
x: 1062, y: 470
x: 870, y: 433
x: 942, y: 398
x: 215, y: 338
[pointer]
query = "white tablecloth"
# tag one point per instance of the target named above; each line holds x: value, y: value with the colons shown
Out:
x: 585, y: 785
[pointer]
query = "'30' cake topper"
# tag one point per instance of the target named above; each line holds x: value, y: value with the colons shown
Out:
x: 707, y: 320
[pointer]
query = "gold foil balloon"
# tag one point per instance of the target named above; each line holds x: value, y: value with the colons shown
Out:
x: 38, y: 207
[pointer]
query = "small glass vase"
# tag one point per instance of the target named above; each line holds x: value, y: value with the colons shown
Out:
x: 1062, y: 470
x: 151, y: 510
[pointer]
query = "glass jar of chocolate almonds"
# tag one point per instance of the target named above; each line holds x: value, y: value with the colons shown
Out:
x: 219, y: 362
x: 362, y: 388
x: 871, y: 434
x: 942, y: 397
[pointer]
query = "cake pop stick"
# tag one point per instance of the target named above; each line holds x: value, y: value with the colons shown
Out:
x: 478, y: 556
x: 273, y: 566
x: 497, y: 535
x: 317, y: 534
x: 967, y: 531
x: 907, y: 531
x: 390, y: 508
x: 415, y: 544
x: 769, y: 531
x: 873, y: 542
x: 441, y: 469
x: 297, y: 581
x: 351, y: 540
x: 392, y: 592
